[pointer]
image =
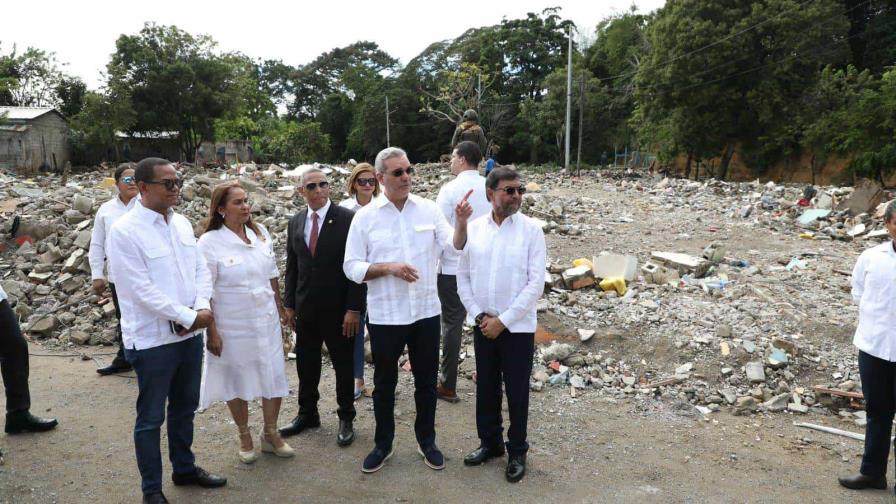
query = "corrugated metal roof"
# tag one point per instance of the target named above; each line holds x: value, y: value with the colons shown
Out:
x: 25, y: 113
x: 17, y: 128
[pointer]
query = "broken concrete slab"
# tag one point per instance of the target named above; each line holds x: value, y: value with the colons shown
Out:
x: 682, y: 263
x: 867, y: 195
x: 578, y: 278
x: 811, y: 215
x: 82, y: 204
x: 755, y: 371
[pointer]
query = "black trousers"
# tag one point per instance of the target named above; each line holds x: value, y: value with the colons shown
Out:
x: 314, y: 328
x: 13, y: 361
x: 119, y: 357
x: 879, y: 388
x: 507, y: 358
x: 387, y: 342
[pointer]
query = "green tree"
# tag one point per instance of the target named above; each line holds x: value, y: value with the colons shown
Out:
x: 70, y: 93
x: 29, y: 79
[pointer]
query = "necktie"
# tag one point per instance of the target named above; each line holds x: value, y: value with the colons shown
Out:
x: 312, y: 241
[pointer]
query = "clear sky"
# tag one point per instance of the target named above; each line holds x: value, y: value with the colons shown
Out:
x: 83, y: 33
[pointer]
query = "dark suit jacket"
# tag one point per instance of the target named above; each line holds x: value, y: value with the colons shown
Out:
x: 319, y: 283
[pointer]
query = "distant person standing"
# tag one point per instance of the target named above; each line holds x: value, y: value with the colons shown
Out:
x: 874, y: 290
x: 164, y: 288
x: 465, y: 167
x: 500, y: 278
x: 108, y: 213
x: 469, y: 130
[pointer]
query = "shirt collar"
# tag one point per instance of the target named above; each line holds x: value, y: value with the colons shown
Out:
x: 229, y: 234
x: 512, y: 219
x: 151, y: 215
x: 382, y: 200
x: 322, y: 211
x: 468, y: 173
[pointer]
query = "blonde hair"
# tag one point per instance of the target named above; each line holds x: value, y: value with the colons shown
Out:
x: 359, y: 169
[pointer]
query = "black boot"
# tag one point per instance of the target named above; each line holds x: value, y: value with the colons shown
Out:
x: 860, y: 482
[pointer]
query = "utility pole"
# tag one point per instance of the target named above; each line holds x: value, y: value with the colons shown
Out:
x: 388, y: 142
x: 581, y: 120
x: 568, y: 99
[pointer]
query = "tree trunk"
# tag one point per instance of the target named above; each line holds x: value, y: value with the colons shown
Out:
x: 687, y: 166
x: 812, y: 167
x: 726, y: 159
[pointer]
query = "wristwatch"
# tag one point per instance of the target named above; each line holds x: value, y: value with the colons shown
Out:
x: 480, y: 317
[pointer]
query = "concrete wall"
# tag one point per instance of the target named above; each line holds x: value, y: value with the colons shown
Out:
x: 42, y: 146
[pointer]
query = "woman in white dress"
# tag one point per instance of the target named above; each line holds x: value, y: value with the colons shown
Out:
x: 362, y: 188
x: 244, y: 350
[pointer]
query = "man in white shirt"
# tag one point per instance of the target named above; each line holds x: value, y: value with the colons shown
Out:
x: 500, y: 278
x: 164, y: 288
x: 14, y: 369
x: 108, y: 213
x: 465, y: 166
x: 874, y: 290
x: 394, y: 245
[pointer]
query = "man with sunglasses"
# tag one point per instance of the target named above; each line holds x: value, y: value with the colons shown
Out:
x: 322, y: 305
x: 394, y: 246
x: 500, y: 278
x: 164, y: 287
x: 106, y: 215
x: 465, y: 167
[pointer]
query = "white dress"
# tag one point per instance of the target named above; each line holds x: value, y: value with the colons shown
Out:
x: 251, y: 362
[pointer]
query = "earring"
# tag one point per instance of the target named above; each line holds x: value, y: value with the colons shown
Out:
x: 221, y: 214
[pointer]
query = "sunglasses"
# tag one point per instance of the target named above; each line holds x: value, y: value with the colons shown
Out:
x: 397, y: 173
x: 129, y: 179
x: 366, y: 181
x: 512, y: 190
x: 170, y: 184
x: 314, y: 185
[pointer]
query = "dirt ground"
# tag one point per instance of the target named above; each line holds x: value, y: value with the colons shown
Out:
x: 589, y: 448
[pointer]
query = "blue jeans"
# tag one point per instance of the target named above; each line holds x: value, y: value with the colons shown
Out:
x: 170, y: 372
x: 359, y: 349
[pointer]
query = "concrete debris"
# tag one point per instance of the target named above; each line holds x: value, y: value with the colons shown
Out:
x: 609, y: 265
x: 683, y: 263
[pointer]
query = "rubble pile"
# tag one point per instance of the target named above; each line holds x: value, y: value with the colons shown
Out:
x: 648, y: 292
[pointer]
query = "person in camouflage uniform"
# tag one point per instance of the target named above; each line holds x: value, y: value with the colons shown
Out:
x: 470, y: 130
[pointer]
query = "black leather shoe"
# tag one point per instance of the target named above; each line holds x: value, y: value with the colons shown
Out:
x: 199, y: 477
x: 117, y: 366
x: 346, y: 433
x: 861, y: 482
x: 482, y: 454
x: 516, y: 468
x: 156, y: 498
x: 24, y: 421
x: 299, y: 424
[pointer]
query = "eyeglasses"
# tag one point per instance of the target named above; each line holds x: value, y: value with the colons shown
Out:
x: 170, y: 184
x: 129, y: 179
x: 366, y: 181
x: 314, y: 185
x: 397, y: 173
x: 512, y: 190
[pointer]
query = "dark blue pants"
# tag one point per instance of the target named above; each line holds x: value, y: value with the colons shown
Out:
x: 119, y: 357
x: 507, y: 358
x: 387, y: 343
x: 170, y: 372
x: 879, y: 388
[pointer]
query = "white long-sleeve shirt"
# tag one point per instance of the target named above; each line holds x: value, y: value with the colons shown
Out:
x: 416, y: 235
x: 501, y: 270
x: 106, y: 215
x: 3, y: 295
x: 448, y: 198
x: 160, y: 276
x: 874, y: 290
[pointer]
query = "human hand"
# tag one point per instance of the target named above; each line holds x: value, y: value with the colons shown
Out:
x: 204, y: 319
x: 290, y: 315
x: 214, y: 344
x: 98, y: 286
x: 405, y: 272
x: 463, y: 210
x: 491, y: 327
x: 350, y: 323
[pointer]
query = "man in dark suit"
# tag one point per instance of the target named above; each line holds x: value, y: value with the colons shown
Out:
x: 322, y: 305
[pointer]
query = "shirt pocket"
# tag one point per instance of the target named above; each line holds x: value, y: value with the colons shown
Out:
x: 384, y: 246
x: 424, y: 241
x: 232, y: 271
x: 159, y: 263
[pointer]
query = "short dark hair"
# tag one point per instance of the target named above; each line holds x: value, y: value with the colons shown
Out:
x: 146, y: 168
x: 121, y: 169
x: 469, y: 151
x: 890, y: 211
x: 498, y: 174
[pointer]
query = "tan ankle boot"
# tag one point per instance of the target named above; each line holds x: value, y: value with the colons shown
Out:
x: 269, y: 436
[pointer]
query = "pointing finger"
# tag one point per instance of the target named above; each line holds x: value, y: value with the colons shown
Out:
x: 466, y: 196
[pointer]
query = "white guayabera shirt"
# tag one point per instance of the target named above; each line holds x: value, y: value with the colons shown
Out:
x: 448, y: 198
x: 874, y: 290
x: 416, y: 235
x: 106, y: 215
x: 160, y: 276
x: 501, y: 270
